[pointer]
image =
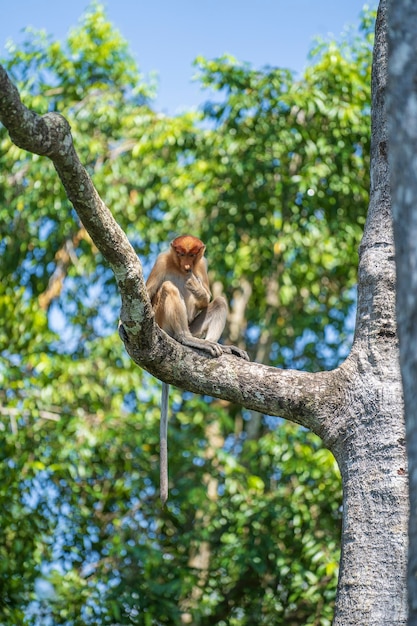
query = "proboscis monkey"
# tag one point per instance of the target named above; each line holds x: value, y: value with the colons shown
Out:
x: 180, y: 294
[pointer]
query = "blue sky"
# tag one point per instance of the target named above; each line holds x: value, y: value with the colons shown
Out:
x: 166, y: 35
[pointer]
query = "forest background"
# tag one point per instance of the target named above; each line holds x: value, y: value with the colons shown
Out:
x: 273, y: 174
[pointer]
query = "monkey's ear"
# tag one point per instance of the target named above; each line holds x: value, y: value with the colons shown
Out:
x: 201, y: 252
x: 174, y: 248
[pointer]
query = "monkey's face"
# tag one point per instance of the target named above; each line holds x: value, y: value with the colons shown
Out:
x: 186, y: 262
x: 188, y: 250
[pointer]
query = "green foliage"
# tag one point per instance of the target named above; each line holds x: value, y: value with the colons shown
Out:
x: 262, y: 540
x: 274, y: 175
x: 286, y: 169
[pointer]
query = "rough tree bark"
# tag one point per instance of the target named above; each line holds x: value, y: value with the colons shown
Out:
x: 355, y: 409
x: 373, y: 459
x: 402, y: 132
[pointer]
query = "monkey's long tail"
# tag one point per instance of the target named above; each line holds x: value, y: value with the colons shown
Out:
x: 163, y: 444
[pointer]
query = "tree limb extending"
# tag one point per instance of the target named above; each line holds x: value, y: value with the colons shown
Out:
x: 298, y: 396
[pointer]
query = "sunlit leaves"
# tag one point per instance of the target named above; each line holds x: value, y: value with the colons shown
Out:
x: 287, y: 184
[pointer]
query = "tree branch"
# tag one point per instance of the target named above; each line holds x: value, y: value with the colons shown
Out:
x: 295, y: 395
x: 50, y: 135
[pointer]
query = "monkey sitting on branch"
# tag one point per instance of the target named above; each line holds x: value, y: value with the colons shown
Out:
x: 180, y: 294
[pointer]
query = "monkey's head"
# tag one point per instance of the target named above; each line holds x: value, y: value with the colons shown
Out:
x: 188, y: 250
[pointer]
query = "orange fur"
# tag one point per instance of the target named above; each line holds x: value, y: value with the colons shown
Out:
x: 187, y: 244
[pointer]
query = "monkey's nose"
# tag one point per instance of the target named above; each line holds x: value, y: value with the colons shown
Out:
x: 187, y: 268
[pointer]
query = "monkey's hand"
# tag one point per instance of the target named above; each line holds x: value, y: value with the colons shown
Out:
x: 212, y: 347
x: 236, y: 352
x: 196, y: 287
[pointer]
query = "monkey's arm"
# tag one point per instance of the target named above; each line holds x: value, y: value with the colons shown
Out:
x: 201, y: 294
x: 201, y: 273
x: 156, y: 276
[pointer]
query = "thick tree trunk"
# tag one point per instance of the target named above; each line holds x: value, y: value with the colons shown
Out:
x: 372, y: 461
x: 402, y: 110
x: 371, y: 451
